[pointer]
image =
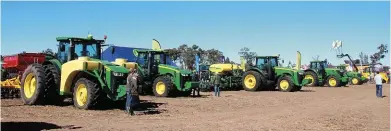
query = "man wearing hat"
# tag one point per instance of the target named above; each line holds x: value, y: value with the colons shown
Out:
x: 132, y: 97
x: 217, y: 82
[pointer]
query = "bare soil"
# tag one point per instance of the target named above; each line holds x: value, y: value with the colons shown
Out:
x: 314, y: 108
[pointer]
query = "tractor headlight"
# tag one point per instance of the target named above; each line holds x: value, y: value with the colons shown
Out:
x: 118, y: 74
x: 185, y: 74
x: 301, y: 73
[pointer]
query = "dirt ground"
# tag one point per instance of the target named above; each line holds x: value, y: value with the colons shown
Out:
x: 314, y: 108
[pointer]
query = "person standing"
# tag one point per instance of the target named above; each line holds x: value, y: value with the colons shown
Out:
x: 379, y: 85
x: 217, y: 82
x: 131, y: 91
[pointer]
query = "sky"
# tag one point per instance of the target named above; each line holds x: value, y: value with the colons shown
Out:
x: 267, y: 28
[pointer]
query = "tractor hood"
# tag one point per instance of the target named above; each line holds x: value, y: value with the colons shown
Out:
x: 112, y: 67
x: 334, y: 69
x: 290, y: 69
x: 176, y: 69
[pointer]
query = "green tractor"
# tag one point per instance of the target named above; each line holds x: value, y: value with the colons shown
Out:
x: 266, y: 73
x: 320, y: 75
x: 158, y: 76
x: 355, y: 77
x: 76, y: 71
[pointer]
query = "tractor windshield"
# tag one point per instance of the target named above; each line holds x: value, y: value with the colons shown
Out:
x: 86, y: 49
x: 316, y: 65
x: 274, y: 61
x: 160, y: 58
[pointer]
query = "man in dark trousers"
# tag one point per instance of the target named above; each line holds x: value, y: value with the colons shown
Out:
x: 132, y: 96
x: 217, y: 82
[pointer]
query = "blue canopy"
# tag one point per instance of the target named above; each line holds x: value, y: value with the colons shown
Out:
x: 126, y: 53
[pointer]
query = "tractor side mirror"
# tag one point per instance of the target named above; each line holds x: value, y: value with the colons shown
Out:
x: 62, y: 47
x: 112, y: 50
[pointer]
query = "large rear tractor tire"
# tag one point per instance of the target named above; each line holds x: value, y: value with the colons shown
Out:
x: 32, y: 89
x: 332, y: 82
x: 52, y: 76
x: 314, y: 78
x: 285, y: 84
x: 85, y: 94
x: 162, y: 86
x: 251, y: 81
x: 356, y: 81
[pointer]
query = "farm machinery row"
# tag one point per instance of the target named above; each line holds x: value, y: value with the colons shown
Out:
x: 265, y: 74
x: 78, y: 71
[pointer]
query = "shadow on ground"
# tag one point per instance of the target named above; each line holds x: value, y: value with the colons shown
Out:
x: 33, y: 126
x: 144, y: 107
x: 306, y: 91
x: 149, y: 107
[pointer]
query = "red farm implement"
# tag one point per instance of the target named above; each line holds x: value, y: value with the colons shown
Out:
x: 12, y: 68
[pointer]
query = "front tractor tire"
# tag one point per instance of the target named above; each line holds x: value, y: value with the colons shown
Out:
x: 355, y: 81
x: 285, y: 84
x: 314, y: 78
x: 32, y: 89
x: 251, y: 81
x: 85, y: 94
x: 162, y: 86
x: 332, y: 82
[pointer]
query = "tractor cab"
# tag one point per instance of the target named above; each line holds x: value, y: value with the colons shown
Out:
x: 149, y: 61
x: 319, y: 66
x: 266, y: 64
x: 70, y: 48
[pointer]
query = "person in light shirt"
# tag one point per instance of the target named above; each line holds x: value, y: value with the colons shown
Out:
x: 379, y: 82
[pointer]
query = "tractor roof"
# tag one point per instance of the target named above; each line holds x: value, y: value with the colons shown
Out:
x: 267, y: 56
x: 317, y: 61
x: 76, y: 38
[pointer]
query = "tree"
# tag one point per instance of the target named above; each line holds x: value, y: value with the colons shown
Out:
x: 49, y: 51
x: 174, y: 53
x: 375, y: 58
x: 227, y: 60
x: 213, y: 56
x: 363, y: 58
x: 247, y: 55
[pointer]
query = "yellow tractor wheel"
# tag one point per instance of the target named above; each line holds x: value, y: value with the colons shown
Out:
x: 355, y: 81
x: 162, y: 86
x: 32, y: 89
x: 251, y: 81
x: 313, y: 76
x: 85, y: 94
x: 332, y: 81
x: 285, y: 84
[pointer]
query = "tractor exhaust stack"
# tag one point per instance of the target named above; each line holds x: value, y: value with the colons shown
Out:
x: 298, y: 61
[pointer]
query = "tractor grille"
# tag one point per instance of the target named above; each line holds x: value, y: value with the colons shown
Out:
x: 116, y: 81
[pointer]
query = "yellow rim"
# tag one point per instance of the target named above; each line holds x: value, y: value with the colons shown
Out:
x: 250, y: 81
x: 309, y: 77
x: 332, y: 82
x: 81, y: 94
x: 355, y: 81
x: 160, y: 88
x: 284, y: 84
x: 29, y: 85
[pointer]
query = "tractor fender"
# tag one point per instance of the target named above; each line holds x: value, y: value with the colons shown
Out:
x: 54, y: 62
x: 282, y: 75
x: 70, y: 69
